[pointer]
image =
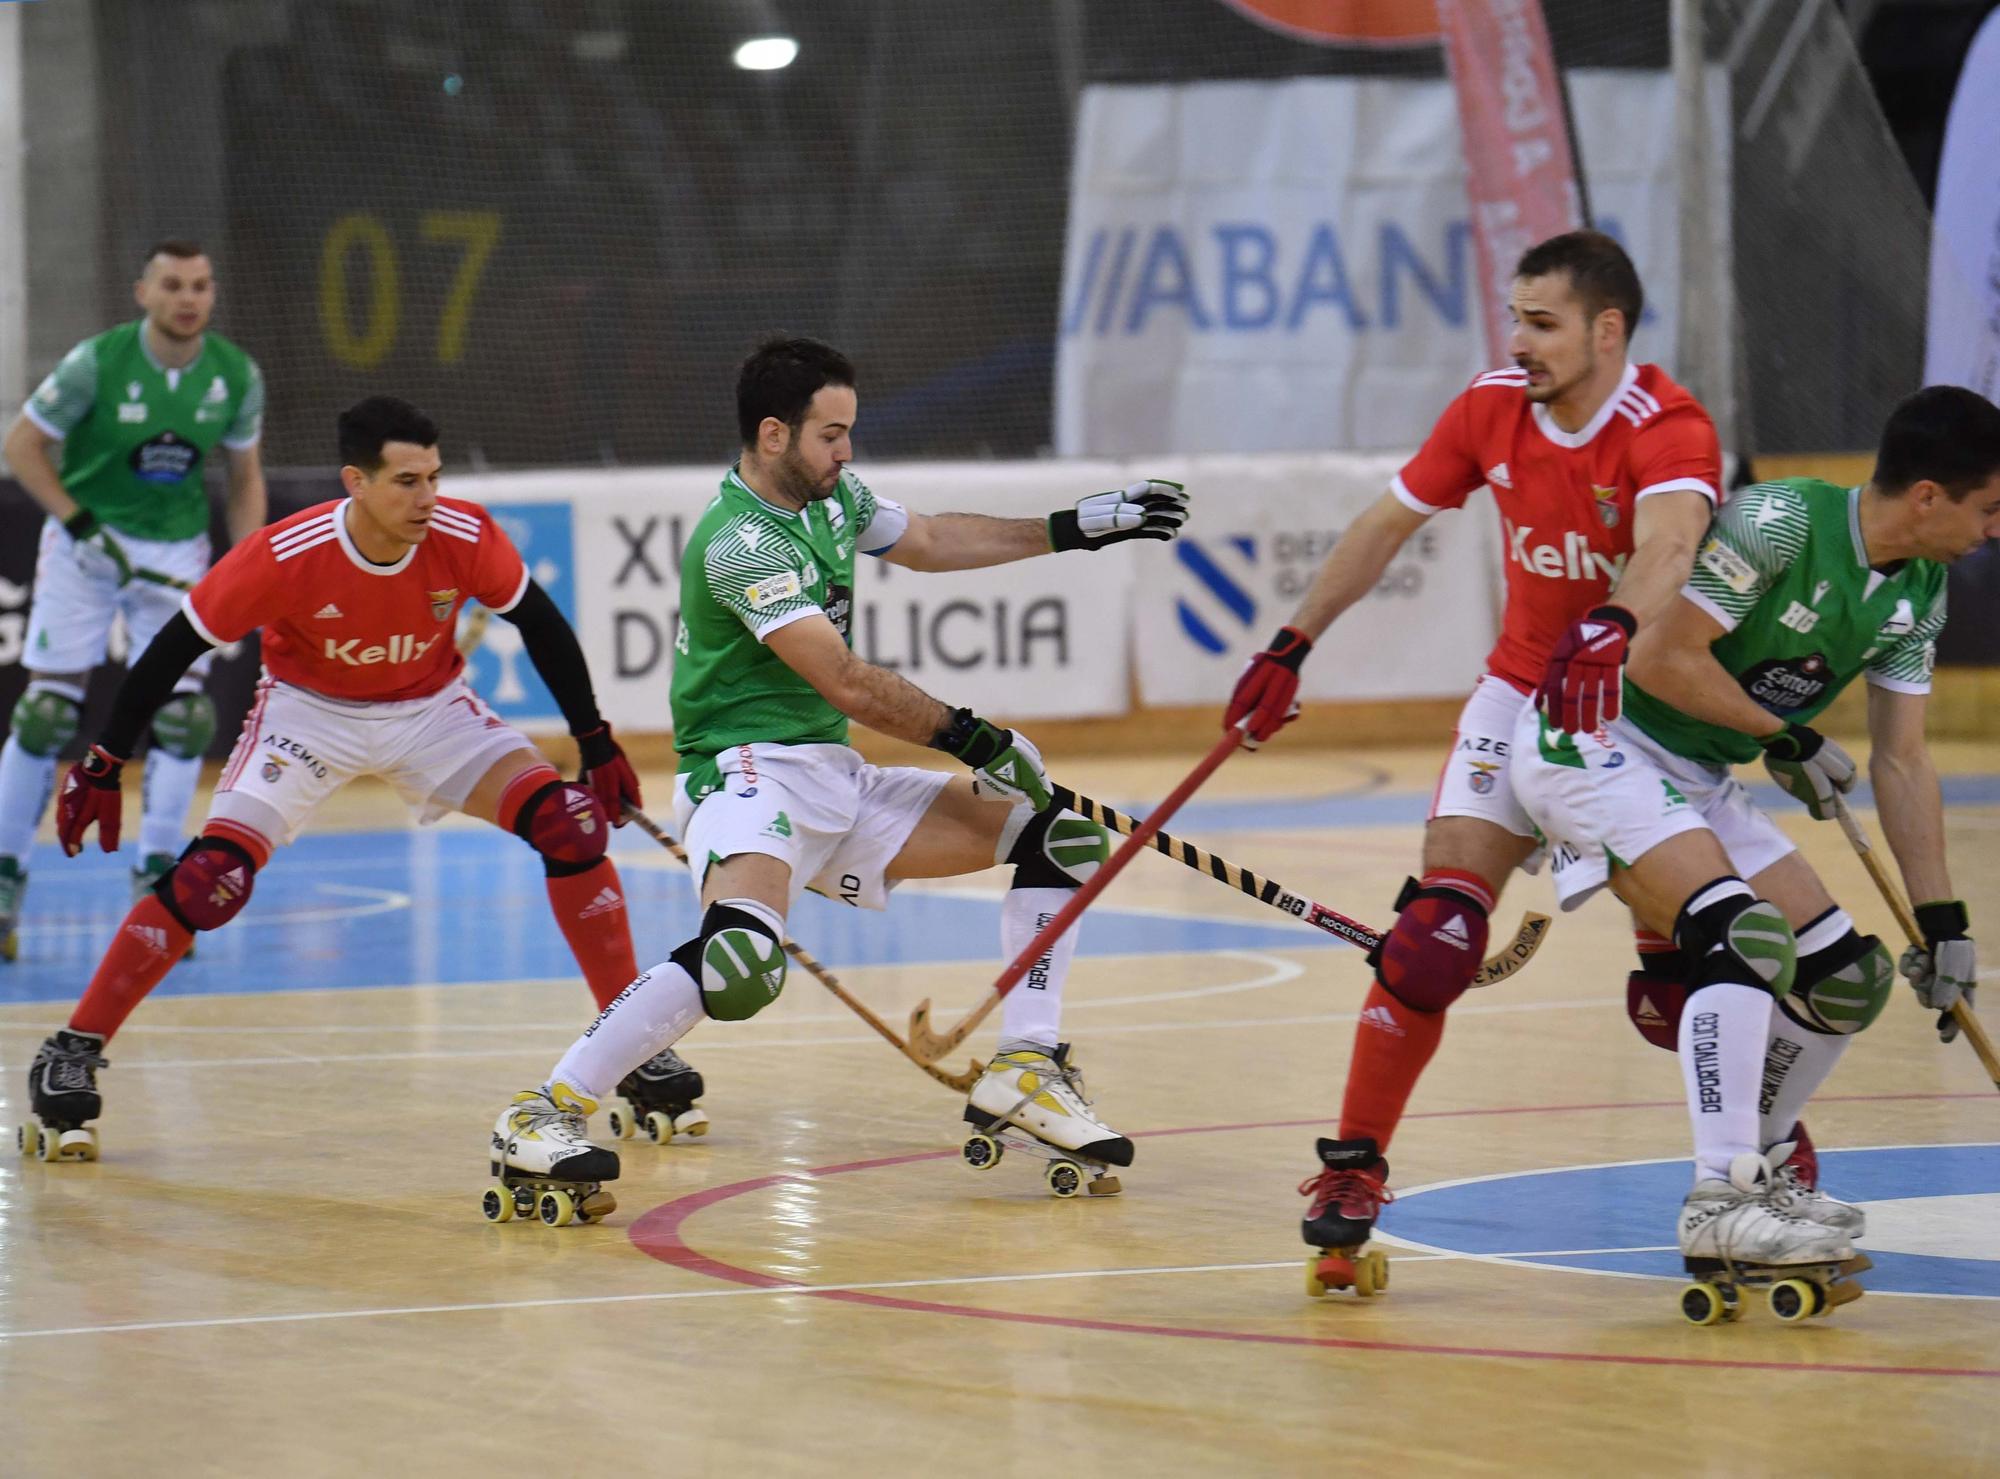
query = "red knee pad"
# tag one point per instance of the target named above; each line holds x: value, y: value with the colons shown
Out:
x: 566, y: 824
x: 1436, y: 947
x: 1654, y: 1004
x: 210, y: 884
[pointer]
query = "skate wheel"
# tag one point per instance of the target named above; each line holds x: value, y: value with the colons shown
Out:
x: 1065, y: 1178
x: 497, y: 1205
x: 982, y: 1152
x: 556, y: 1208
x: 691, y: 1122
x: 622, y: 1127
x: 659, y: 1128
x: 73, y: 1145
x: 29, y: 1138
x: 10, y: 946
x: 1793, y: 1300
x: 1315, y: 1285
x: 1702, y: 1304
x: 1371, y: 1274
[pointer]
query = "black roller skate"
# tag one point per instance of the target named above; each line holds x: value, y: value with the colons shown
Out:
x: 659, y: 1097
x: 63, y: 1098
x: 1346, y: 1197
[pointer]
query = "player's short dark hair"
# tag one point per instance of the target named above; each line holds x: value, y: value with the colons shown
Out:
x: 1600, y: 272
x: 368, y: 426
x: 1944, y: 434
x: 780, y: 379
x: 180, y: 248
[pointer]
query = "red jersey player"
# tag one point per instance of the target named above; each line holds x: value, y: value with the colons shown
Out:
x: 357, y: 600
x: 1606, y: 474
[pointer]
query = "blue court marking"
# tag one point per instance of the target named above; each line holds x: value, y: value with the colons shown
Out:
x: 1536, y: 1216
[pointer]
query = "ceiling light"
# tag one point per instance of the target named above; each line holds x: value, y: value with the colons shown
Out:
x: 766, y: 53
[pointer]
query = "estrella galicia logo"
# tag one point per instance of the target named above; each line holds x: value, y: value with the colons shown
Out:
x: 1212, y: 614
x: 167, y: 458
x: 1788, y: 683
x: 498, y: 668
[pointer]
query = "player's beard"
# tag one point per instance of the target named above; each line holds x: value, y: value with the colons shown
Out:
x: 796, y: 480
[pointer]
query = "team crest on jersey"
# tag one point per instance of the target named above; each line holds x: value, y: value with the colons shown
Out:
x: 1607, y: 505
x: 1482, y: 778
x: 442, y: 602
x: 273, y: 768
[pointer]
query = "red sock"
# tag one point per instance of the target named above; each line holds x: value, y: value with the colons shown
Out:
x: 590, y: 907
x: 141, y: 953
x: 1392, y: 1043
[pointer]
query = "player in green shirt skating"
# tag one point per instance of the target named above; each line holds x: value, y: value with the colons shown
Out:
x: 136, y: 411
x: 771, y: 801
x: 1800, y: 588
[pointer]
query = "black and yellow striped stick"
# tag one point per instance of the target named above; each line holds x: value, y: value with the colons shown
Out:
x: 1504, y: 963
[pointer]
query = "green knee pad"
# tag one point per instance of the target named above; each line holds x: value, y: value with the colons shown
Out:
x: 1757, y: 945
x: 742, y: 964
x: 184, y: 725
x: 1844, y: 997
x: 45, y: 721
x: 1057, y: 850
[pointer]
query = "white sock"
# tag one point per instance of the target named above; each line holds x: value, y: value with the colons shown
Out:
x: 1723, y: 1030
x: 1032, y: 1011
x: 26, y: 782
x: 168, y: 792
x: 1796, y: 1063
x: 654, y: 1012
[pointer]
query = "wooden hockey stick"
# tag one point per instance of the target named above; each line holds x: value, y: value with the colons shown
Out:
x: 1969, y: 1024
x: 1498, y: 967
x: 929, y: 1046
x: 962, y: 1082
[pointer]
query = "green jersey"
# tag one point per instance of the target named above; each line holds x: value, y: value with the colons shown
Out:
x: 1784, y: 570
x: 135, y: 433
x: 750, y: 568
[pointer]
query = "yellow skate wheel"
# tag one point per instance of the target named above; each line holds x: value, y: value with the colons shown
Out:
x: 1065, y: 1178
x: 622, y: 1127
x: 29, y: 1139
x: 556, y: 1208
x: 498, y: 1204
x: 1701, y: 1304
x: 1793, y: 1300
x: 10, y: 946
x: 1371, y: 1274
x: 659, y: 1127
x: 1315, y: 1285
x: 691, y: 1122
x: 982, y: 1152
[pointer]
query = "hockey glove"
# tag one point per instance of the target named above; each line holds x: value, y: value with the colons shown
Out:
x: 1268, y: 692
x: 91, y: 792
x: 1151, y: 508
x: 607, y: 773
x: 1946, y: 969
x: 1809, y: 766
x: 1003, y: 762
x: 1582, y: 688
x: 82, y: 526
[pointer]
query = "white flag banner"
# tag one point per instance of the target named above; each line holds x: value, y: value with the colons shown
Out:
x: 1963, y: 346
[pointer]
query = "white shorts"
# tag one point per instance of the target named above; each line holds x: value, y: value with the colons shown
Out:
x: 835, y: 819
x: 77, y: 594
x: 299, y: 747
x: 1475, y: 778
x: 1606, y: 803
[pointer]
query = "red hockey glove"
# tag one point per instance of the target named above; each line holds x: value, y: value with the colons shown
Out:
x: 91, y: 792
x: 608, y: 773
x: 1581, y: 690
x: 1268, y: 692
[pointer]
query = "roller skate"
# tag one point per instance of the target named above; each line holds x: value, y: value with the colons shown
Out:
x: 63, y: 1097
x: 1736, y: 1235
x: 149, y: 871
x: 1034, y: 1101
x: 658, y: 1097
x: 544, y: 1164
x: 1346, y: 1198
x: 13, y: 887
x: 1797, y: 1186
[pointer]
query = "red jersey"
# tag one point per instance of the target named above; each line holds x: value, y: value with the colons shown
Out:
x: 336, y: 624
x: 1566, y: 499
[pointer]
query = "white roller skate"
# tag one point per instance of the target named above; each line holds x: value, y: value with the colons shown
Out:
x: 1736, y: 1234
x: 659, y: 1097
x: 1796, y: 1187
x: 13, y: 887
x: 63, y: 1098
x: 544, y: 1164
x: 1035, y: 1102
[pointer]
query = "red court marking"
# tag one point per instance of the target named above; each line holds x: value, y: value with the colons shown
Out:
x: 657, y: 1234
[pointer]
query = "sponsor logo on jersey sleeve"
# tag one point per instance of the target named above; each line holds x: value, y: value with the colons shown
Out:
x: 773, y: 590
x: 1728, y: 567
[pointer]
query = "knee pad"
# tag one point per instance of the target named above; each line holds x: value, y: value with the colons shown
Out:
x: 1843, y: 988
x: 1434, y: 950
x: 566, y: 824
x: 1058, y: 850
x: 1731, y: 935
x: 210, y: 883
x: 44, y: 721
x: 738, y: 960
x: 1656, y: 992
x: 184, y: 725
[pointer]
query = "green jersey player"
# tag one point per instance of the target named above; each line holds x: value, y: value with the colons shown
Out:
x: 771, y: 800
x: 1800, y: 588
x: 136, y: 412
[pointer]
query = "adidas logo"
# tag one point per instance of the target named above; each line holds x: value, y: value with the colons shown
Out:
x: 1649, y: 1015
x: 1383, y: 1020
x: 329, y: 612
x: 1453, y: 933
x: 606, y: 902
x: 150, y: 935
x: 1498, y: 475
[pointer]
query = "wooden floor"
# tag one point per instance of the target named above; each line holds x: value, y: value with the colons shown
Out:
x: 279, y: 1268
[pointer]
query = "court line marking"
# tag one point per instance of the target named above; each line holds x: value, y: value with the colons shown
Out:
x: 385, y: 901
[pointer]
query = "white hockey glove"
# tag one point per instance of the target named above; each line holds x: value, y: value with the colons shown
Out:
x: 1811, y: 767
x: 1151, y: 508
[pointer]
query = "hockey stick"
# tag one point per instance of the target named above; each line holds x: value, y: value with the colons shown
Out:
x: 962, y: 1082
x: 1968, y: 1020
x: 929, y: 1046
x: 1498, y: 967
